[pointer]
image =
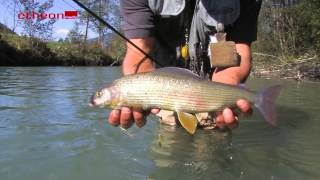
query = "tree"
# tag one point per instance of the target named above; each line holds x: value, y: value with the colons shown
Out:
x: 116, y: 47
x: 37, y: 26
x: 107, y: 10
x: 75, y: 36
x: 292, y: 27
x: 85, y: 19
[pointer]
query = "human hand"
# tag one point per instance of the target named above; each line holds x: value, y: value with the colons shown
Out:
x: 228, y: 117
x: 234, y: 75
x: 125, y: 117
x: 134, y: 62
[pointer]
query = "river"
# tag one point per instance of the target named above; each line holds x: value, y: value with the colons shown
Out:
x: 48, y: 131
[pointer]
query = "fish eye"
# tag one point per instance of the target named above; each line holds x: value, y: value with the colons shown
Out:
x: 99, y: 93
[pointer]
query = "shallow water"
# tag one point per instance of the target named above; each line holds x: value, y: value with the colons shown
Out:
x: 47, y: 131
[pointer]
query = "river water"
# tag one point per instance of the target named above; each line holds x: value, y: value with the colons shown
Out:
x: 47, y: 131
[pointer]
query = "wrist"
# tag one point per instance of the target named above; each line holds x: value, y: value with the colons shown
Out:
x: 130, y: 66
x: 136, y: 62
x: 228, y: 76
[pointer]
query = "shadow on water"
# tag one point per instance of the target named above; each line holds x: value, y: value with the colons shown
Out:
x: 190, y: 155
x: 297, y: 145
x: 292, y: 117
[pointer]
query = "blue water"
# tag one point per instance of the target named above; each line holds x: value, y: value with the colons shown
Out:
x: 48, y: 131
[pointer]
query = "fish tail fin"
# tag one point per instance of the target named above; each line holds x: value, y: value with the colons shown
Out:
x: 266, y: 102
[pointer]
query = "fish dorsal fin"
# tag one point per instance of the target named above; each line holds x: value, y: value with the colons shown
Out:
x: 188, y: 121
x: 178, y: 71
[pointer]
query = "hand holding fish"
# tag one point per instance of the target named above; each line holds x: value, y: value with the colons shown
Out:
x: 127, y: 116
x: 181, y: 91
x: 227, y: 118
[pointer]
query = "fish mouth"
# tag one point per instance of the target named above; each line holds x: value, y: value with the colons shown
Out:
x: 91, y: 102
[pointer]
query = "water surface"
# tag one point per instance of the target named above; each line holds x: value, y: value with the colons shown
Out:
x: 47, y: 131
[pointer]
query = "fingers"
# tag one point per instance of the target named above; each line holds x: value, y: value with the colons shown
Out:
x: 226, y: 118
x: 139, y: 117
x: 244, y: 107
x: 126, y: 116
x: 114, y: 117
x: 155, y: 111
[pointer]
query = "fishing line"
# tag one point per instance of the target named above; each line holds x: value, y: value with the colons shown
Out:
x: 118, y: 33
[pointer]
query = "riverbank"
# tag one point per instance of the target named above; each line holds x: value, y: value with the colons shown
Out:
x: 24, y: 51
x: 306, y: 67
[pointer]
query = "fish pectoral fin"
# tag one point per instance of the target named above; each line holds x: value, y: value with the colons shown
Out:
x: 188, y: 121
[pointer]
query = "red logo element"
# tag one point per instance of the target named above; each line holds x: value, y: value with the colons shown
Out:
x: 70, y: 14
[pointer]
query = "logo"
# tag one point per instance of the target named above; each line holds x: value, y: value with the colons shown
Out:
x: 27, y: 15
x: 44, y: 15
x: 71, y: 14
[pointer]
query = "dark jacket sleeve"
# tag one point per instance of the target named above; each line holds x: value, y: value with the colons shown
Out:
x: 138, y: 19
x: 244, y: 30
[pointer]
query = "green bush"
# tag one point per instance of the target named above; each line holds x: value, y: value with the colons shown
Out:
x: 20, y: 50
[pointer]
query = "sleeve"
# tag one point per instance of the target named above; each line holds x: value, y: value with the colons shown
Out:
x: 138, y: 18
x: 244, y: 30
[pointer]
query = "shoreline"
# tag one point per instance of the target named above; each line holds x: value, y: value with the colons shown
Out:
x: 297, y: 71
x: 290, y: 71
x: 24, y: 51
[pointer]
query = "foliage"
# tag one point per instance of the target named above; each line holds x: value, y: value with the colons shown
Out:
x: 116, y: 47
x: 289, y: 28
x: 108, y: 43
x: 75, y: 35
x: 17, y: 50
x: 71, y: 54
x: 37, y: 27
x: 107, y: 10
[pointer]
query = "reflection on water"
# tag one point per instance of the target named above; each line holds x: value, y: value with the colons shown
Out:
x: 183, y: 156
x: 47, y: 131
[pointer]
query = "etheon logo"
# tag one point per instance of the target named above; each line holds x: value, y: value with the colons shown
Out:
x: 43, y: 15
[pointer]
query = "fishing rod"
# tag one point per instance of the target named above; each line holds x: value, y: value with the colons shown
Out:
x: 117, y: 32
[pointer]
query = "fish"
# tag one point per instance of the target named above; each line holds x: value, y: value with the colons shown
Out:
x: 182, y: 91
